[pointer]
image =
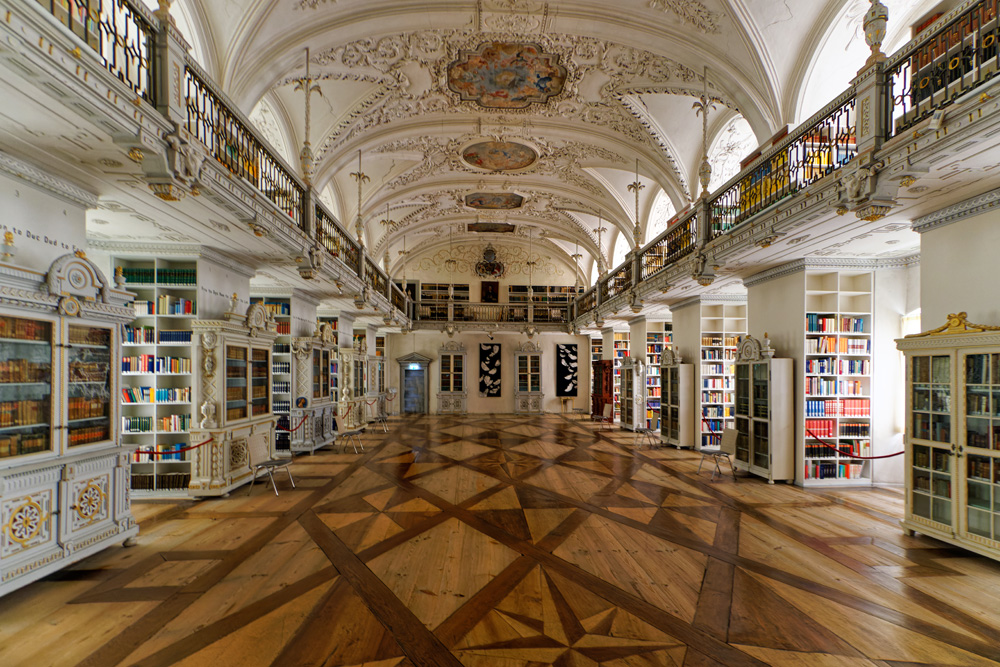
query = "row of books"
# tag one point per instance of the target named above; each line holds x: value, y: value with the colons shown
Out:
x: 159, y: 395
x: 79, y: 335
x: 22, y: 370
x: 712, y: 425
x: 844, y: 407
x: 716, y: 369
x: 18, y: 329
x: 150, y: 453
x: 282, y: 406
x: 835, y: 345
x: 19, y: 444
x: 831, y: 428
x: 83, y: 435
x: 715, y: 397
x: 258, y: 409
x: 24, y: 412
x: 143, y: 308
x: 88, y: 371
x: 284, y: 328
x: 281, y: 367
x: 282, y: 387
x: 708, y: 355
x: 816, y: 323
x: 717, y: 411
x: 282, y: 348
x: 719, y: 341
x: 717, y: 383
x: 148, y: 363
x: 278, y: 308
x: 834, y: 470
x: 236, y: 393
x: 844, y: 449
x: 824, y: 387
x: 259, y: 392
x: 135, y: 424
x: 84, y: 407
x: 175, y: 336
x: 175, y: 423
x: 161, y: 481
x: 175, y: 305
x: 177, y: 276
x: 831, y: 366
x: 236, y: 413
x: 652, y: 392
x: 138, y: 335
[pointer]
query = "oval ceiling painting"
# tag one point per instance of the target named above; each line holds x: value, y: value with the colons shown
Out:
x: 499, y: 155
x: 504, y: 201
x: 506, y: 75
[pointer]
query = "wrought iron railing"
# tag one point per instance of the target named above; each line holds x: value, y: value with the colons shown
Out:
x: 621, y: 280
x: 119, y: 32
x: 376, y: 279
x: 819, y: 146
x: 463, y: 311
x: 231, y: 141
x: 942, y: 65
x: 398, y: 298
x: 679, y: 240
x: 587, y: 302
x: 336, y: 240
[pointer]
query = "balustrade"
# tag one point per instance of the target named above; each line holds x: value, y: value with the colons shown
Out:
x: 336, y: 240
x: 376, y: 279
x: 678, y: 241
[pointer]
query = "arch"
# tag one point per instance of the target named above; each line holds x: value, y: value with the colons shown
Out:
x: 733, y: 142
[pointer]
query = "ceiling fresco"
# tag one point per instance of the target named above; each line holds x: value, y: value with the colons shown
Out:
x: 499, y: 155
x: 506, y: 75
x: 502, y: 201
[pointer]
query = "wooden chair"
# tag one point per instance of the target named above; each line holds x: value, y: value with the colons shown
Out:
x: 260, y: 459
x: 350, y: 435
x: 726, y: 451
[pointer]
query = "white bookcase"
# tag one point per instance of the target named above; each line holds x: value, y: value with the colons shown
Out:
x: 621, y: 352
x: 156, y: 371
x: 528, y: 394
x: 722, y: 324
x: 658, y: 336
x: 633, y: 393
x: 677, y: 404
x: 764, y: 413
x: 953, y: 434
x: 836, y: 378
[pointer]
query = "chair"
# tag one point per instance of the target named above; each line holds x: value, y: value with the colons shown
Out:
x: 726, y: 450
x: 645, y: 435
x: 352, y: 435
x: 608, y: 417
x: 260, y: 459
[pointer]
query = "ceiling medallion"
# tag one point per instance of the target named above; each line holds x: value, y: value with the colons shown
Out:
x: 499, y: 155
x: 504, y: 201
x: 506, y: 75
x: 490, y: 266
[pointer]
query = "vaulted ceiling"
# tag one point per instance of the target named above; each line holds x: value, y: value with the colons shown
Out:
x: 525, y: 112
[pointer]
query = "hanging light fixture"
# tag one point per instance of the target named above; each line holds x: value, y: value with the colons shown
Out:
x: 362, y: 178
x: 601, y: 267
x: 635, y: 187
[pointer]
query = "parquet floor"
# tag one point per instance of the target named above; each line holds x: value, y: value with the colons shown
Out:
x: 493, y: 541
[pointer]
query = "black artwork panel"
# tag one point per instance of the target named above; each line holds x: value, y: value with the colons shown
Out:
x: 567, y: 369
x: 489, y: 369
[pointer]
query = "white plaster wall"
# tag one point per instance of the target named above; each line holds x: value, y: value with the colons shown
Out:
x: 216, y: 286
x: 429, y: 344
x: 959, y: 271
x: 45, y: 227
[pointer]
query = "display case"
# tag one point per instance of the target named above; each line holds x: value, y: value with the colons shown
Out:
x: 312, y: 423
x: 453, y: 393
x: 528, y: 378
x: 677, y: 403
x: 953, y: 434
x: 764, y: 417
x: 233, y: 358
x: 64, y: 476
x: 603, y: 392
x: 633, y: 393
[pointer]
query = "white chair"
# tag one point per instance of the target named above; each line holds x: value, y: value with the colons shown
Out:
x: 260, y: 459
x: 647, y: 436
x: 350, y: 435
x: 726, y: 451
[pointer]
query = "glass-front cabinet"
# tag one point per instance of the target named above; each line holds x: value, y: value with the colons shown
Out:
x: 452, y: 393
x: 528, y: 378
x: 633, y: 393
x: 953, y: 434
x: 677, y: 400
x: 765, y: 444
x: 312, y: 418
x: 63, y: 473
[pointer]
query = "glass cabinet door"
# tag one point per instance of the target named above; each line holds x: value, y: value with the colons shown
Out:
x: 932, y: 478
x: 742, y: 437
x: 445, y: 372
x: 457, y: 378
x: 260, y: 365
x: 982, y: 432
x: 236, y: 383
x: 88, y: 384
x: 522, y: 373
x: 760, y: 391
x: 743, y: 389
x: 25, y: 386
x: 334, y: 377
x: 931, y: 398
x: 536, y: 372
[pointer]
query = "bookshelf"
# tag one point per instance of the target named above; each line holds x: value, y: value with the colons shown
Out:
x: 837, y: 378
x: 764, y: 414
x: 528, y: 378
x: 280, y: 309
x: 621, y: 353
x: 235, y: 401
x: 596, y: 349
x: 555, y: 294
x: 602, y: 392
x: 63, y: 468
x: 677, y: 403
x: 452, y: 387
x: 658, y: 337
x: 633, y: 393
x: 156, y: 371
x: 722, y: 324
x: 953, y: 435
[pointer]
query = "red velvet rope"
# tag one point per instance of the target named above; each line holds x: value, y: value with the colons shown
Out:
x: 300, y: 425
x: 849, y: 455
x: 172, y: 451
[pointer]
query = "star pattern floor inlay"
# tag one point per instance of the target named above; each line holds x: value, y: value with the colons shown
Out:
x: 502, y: 541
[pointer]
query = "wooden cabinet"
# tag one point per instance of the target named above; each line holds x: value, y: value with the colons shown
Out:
x: 602, y: 392
x: 528, y: 378
x: 233, y: 358
x: 64, y: 477
x: 453, y: 393
x: 953, y: 434
x: 677, y: 403
x: 764, y: 411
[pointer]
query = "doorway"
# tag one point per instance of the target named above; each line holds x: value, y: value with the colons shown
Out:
x: 414, y: 394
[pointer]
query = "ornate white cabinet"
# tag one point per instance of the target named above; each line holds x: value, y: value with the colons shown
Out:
x: 314, y: 403
x: 64, y: 479
x: 764, y: 411
x: 453, y: 394
x: 676, y: 400
x: 633, y: 385
x: 953, y: 434
x: 528, y: 384
x: 233, y: 359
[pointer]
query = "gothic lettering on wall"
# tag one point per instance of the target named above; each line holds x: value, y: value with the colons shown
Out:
x: 567, y: 369
x: 489, y: 370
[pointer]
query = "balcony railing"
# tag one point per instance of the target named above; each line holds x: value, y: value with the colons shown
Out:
x: 377, y: 280
x: 678, y: 241
x: 823, y: 144
x: 235, y: 145
x: 397, y: 298
x: 119, y: 32
x: 949, y: 61
x: 463, y: 311
x: 620, y: 281
x: 336, y: 240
